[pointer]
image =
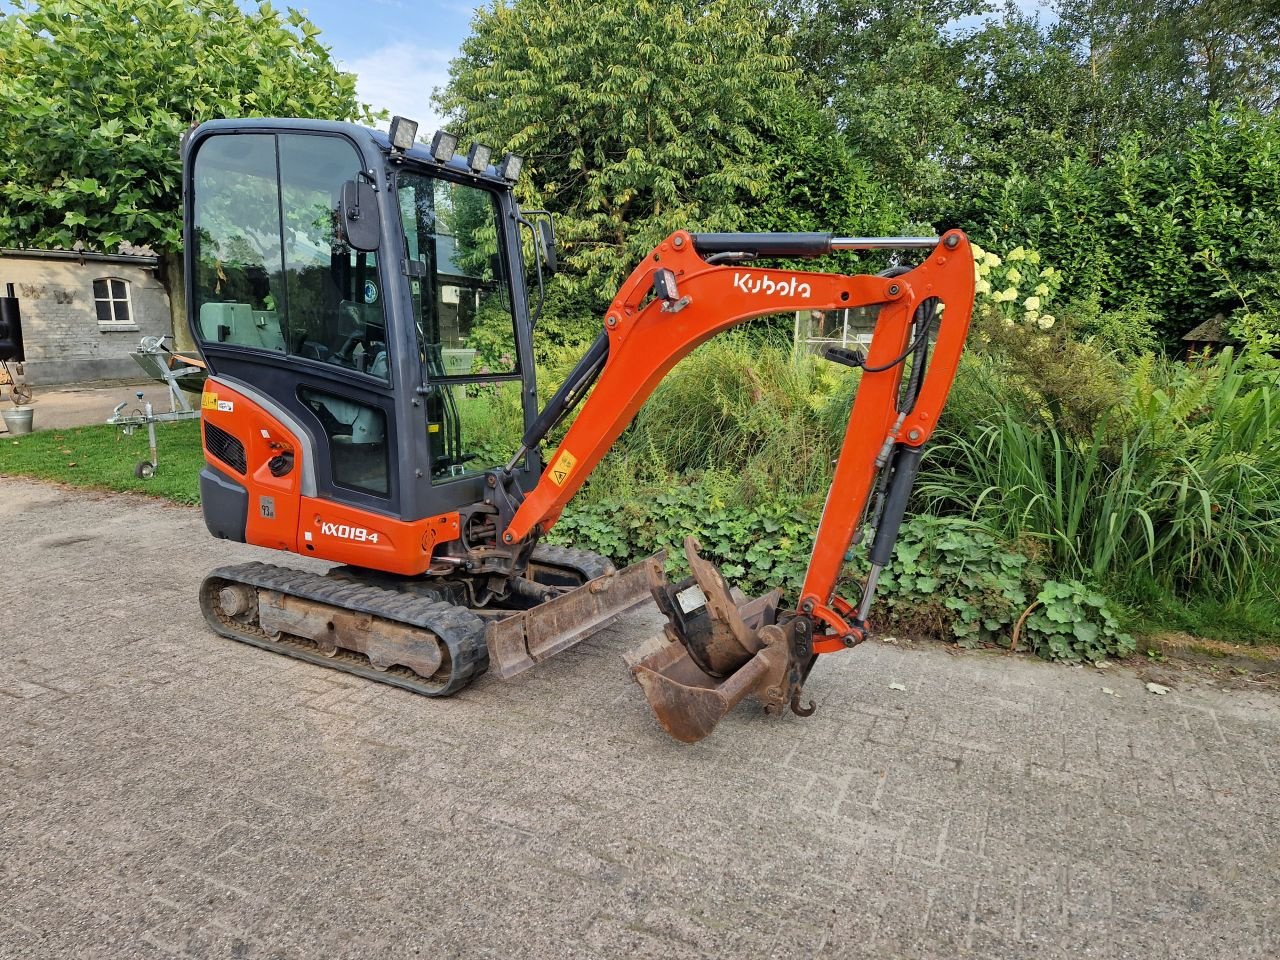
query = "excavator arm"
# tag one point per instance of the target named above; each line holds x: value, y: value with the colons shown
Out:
x: 690, y: 287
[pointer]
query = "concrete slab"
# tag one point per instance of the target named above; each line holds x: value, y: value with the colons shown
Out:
x: 165, y: 792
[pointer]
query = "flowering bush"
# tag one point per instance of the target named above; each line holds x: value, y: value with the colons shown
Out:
x: 1016, y: 287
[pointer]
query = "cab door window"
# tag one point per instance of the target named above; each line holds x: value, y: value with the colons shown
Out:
x: 273, y: 271
x: 239, y: 275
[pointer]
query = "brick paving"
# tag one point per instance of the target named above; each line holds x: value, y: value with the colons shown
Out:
x: 165, y: 792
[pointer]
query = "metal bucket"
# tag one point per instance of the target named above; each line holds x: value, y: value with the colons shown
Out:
x: 18, y: 419
x: 722, y: 647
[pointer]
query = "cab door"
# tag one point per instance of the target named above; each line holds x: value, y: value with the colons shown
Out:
x: 289, y: 316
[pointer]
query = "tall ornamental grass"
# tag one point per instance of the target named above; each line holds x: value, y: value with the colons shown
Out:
x: 1178, y: 486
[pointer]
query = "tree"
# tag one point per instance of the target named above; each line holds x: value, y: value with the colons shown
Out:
x: 1028, y: 105
x: 635, y: 119
x: 106, y: 89
x: 891, y: 72
x: 1162, y: 64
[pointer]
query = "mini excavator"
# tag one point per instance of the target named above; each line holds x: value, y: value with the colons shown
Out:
x: 366, y: 307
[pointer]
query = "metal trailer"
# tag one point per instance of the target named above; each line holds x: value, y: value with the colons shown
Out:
x: 176, y: 372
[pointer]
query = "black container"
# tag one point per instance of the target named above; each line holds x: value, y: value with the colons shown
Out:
x: 10, y: 328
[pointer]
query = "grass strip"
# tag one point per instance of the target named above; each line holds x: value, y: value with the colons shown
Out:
x: 104, y: 457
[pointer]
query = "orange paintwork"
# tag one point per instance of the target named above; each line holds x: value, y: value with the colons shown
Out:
x: 333, y: 531
x: 263, y: 437
x: 646, y: 341
x: 306, y: 525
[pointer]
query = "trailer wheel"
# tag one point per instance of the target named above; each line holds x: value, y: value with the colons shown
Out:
x: 145, y: 470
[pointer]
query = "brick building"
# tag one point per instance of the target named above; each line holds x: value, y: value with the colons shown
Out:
x: 83, y: 313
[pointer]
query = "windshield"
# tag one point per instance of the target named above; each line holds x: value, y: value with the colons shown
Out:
x: 466, y: 327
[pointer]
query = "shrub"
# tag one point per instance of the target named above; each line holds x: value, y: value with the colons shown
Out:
x: 1154, y: 221
x: 1126, y: 331
x: 949, y: 578
x: 1180, y: 486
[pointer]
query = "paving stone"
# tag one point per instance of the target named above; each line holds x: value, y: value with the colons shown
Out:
x: 165, y: 792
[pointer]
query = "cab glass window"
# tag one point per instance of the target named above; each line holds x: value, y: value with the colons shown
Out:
x: 462, y: 303
x: 273, y: 272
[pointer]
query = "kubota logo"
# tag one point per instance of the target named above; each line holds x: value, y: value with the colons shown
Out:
x: 790, y: 287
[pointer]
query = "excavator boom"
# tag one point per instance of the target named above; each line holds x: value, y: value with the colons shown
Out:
x: 676, y: 299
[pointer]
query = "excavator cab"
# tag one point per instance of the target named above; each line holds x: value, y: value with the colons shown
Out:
x: 365, y: 294
x: 360, y: 300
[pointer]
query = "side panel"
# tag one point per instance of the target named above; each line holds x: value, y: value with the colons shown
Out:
x: 272, y: 519
x: 334, y: 531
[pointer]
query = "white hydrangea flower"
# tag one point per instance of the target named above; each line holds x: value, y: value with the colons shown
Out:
x: 1031, y: 304
x: 1017, y: 253
x: 1045, y: 322
x: 1015, y: 276
x: 982, y: 287
x: 1042, y: 290
x: 977, y: 251
x: 991, y: 261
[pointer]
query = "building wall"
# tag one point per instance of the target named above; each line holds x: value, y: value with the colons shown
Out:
x: 63, y: 339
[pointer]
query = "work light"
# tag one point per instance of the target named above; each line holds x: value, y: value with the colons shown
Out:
x: 478, y: 157
x: 403, y: 132
x: 509, y: 168
x: 443, y: 146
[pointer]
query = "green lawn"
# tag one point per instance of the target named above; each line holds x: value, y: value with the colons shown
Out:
x: 102, y: 456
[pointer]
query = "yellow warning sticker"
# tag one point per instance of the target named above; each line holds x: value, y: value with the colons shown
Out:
x: 208, y: 401
x: 563, y: 466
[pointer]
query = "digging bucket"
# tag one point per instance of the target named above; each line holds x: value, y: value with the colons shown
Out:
x: 720, y: 647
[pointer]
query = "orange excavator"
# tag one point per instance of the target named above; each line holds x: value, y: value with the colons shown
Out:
x: 367, y: 311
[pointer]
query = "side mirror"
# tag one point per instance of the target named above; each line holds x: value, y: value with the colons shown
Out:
x: 360, y: 215
x: 547, y: 234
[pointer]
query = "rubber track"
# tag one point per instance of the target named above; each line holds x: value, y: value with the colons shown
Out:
x: 460, y: 630
x: 588, y: 564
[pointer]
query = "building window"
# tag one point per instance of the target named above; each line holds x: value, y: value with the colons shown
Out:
x: 111, y: 298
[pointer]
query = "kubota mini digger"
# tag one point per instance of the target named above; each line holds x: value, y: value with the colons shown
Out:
x: 362, y: 304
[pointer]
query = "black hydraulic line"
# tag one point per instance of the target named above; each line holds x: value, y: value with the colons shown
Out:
x: 925, y: 316
x: 571, y: 392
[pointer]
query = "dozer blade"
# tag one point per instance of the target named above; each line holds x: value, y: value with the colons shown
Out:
x: 524, y: 640
x: 721, y: 648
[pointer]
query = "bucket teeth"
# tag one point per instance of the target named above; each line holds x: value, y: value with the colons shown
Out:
x: 722, y: 648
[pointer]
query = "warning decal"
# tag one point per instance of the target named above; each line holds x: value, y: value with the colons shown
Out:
x: 563, y: 466
x: 208, y: 401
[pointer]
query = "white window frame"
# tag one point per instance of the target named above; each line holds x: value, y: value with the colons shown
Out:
x: 114, y: 324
